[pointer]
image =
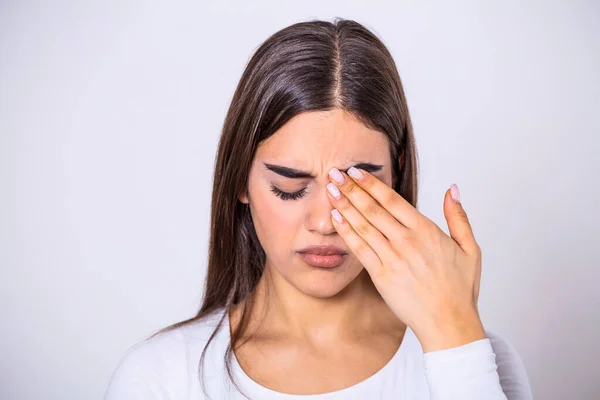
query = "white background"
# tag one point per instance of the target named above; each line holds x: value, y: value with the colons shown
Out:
x: 109, y: 118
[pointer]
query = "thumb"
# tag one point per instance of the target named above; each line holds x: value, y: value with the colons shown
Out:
x: 458, y: 222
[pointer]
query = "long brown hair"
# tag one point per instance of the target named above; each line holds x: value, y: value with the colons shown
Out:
x: 308, y: 66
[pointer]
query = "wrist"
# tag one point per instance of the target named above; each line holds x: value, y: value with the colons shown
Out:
x: 448, y: 334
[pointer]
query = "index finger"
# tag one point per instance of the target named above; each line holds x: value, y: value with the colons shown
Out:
x: 385, y: 195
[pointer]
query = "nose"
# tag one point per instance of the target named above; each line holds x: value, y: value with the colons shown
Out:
x: 318, y: 217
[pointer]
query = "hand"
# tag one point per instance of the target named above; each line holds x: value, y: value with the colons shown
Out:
x: 429, y: 280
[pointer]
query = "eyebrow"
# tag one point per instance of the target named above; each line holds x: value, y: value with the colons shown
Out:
x: 295, y: 173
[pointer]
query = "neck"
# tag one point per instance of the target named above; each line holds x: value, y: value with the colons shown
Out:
x: 281, y: 310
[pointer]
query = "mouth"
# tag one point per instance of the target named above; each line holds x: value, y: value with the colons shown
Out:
x: 317, y: 260
x: 323, y: 256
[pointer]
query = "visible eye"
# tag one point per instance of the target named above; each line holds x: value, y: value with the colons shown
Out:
x: 288, y: 196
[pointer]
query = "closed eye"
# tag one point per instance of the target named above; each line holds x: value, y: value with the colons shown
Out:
x: 286, y: 195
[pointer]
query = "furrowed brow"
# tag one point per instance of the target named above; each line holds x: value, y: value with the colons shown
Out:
x: 298, y: 174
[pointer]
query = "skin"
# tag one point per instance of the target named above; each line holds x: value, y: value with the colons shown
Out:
x: 331, y: 329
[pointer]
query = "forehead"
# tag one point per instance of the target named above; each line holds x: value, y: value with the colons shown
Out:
x: 325, y: 137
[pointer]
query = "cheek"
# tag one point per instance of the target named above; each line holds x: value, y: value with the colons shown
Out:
x: 277, y: 222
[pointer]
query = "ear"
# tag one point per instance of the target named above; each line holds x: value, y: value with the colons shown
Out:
x: 243, y: 197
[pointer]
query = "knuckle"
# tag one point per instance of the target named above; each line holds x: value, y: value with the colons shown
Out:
x: 392, y: 199
x: 350, y: 188
x: 367, y: 183
x: 396, y: 240
x: 363, y: 228
x: 409, y: 241
x: 371, y: 210
x: 422, y: 223
x: 462, y: 216
x: 344, y: 205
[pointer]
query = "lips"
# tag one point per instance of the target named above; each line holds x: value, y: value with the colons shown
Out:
x: 323, y: 256
x: 323, y: 250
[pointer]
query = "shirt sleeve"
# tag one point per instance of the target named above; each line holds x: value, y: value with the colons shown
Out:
x: 489, y: 369
x: 513, y: 376
x: 153, y: 369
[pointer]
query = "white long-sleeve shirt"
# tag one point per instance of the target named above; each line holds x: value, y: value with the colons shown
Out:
x: 166, y: 367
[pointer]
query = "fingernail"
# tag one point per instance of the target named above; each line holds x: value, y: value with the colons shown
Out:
x: 336, y: 175
x: 335, y: 192
x: 337, y: 216
x: 455, y: 193
x: 355, y: 173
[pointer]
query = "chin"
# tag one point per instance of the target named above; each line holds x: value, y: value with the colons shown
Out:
x: 322, y: 291
x: 326, y: 283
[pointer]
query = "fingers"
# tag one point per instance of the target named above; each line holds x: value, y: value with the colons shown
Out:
x: 363, y: 252
x: 368, y: 219
x: 458, y: 224
x: 386, y: 196
x: 355, y: 198
x: 358, y: 231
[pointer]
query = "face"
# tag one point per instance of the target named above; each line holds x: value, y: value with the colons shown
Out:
x: 292, y: 213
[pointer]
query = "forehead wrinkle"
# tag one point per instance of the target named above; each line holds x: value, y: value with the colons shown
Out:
x: 320, y: 146
x: 320, y: 160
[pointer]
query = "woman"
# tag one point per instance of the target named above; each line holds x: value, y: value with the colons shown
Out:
x: 324, y: 281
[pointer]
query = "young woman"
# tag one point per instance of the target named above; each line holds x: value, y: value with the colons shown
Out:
x: 324, y: 281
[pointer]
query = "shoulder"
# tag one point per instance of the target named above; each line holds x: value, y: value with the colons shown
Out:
x: 511, y: 370
x: 153, y: 368
x: 157, y: 367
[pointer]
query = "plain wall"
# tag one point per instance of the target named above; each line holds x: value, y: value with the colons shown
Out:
x: 110, y: 114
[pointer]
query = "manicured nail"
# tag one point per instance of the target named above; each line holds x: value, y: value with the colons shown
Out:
x: 355, y: 173
x: 335, y: 192
x: 337, y: 216
x: 455, y: 193
x: 336, y: 175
